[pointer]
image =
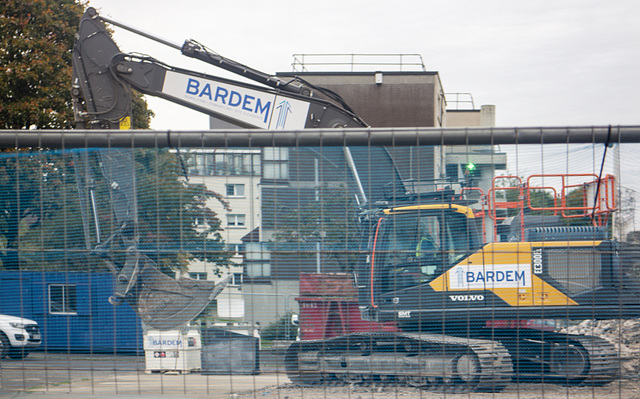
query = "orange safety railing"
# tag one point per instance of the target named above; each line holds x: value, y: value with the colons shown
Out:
x: 603, y: 205
x: 595, y: 197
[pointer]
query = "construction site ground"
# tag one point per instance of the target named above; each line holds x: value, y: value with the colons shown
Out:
x: 72, y: 376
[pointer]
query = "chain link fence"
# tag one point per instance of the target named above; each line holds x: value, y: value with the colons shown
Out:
x: 484, y: 262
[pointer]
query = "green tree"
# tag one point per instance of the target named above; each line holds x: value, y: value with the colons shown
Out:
x: 141, y: 114
x: 541, y: 200
x: 41, y: 223
x: 175, y: 222
x: 36, y: 41
x: 582, y: 213
x: 23, y: 175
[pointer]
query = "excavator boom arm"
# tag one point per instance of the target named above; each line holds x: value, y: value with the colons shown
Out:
x: 103, y: 77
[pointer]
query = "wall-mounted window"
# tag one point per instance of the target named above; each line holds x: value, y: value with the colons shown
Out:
x: 63, y: 299
x: 224, y: 162
x: 236, y: 220
x: 198, y: 275
x: 236, y: 279
x: 235, y: 190
x: 258, y: 269
x: 257, y: 260
x: 235, y: 249
x: 237, y: 163
x: 200, y: 164
x: 276, y: 163
x: 452, y: 171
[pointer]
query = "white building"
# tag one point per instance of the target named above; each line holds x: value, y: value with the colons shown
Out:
x: 234, y: 174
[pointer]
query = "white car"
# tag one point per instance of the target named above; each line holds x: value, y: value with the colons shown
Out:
x: 18, y: 336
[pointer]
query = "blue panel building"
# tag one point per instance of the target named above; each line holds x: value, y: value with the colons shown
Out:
x: 72, y: 309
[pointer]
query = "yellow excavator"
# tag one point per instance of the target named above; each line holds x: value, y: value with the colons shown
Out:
x: 461, y: 295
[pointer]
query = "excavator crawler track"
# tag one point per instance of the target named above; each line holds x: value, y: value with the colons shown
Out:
x: 560, y: 358
x: 427, y: 361
x: 604, y: 361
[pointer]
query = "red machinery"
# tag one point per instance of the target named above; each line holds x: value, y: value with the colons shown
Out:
x: 329, y: 307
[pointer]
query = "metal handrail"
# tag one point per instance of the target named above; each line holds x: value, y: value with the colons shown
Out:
x: 301, y: 63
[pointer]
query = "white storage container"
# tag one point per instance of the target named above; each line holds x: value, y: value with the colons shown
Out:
x: 172, y: 350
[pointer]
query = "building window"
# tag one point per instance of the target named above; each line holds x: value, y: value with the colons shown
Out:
x: 200, y: 164
x: 257, y: 260
x: 235, y: 221
x: 235, y: 190
x: 236, y: 279
x: 276, y: 163
x: 258, y: 269
x: 452, y: 171
x: 237, y: 164
x: 235, y: 249
x: 224, y: 162
x: 63, y: 299
x: 198, y: 275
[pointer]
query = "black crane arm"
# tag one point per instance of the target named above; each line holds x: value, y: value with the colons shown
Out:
x: 103, y: 77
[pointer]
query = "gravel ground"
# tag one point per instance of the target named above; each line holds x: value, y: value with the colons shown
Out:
x: 617, y: 390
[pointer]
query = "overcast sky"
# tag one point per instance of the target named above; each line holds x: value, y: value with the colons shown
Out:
x: 541, y: 63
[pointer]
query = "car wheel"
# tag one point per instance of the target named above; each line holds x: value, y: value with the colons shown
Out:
x: 5, y: 346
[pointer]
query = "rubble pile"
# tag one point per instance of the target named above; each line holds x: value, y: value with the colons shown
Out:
x: 624, y: 334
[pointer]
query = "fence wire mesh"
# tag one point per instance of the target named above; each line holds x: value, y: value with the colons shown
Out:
x: 408, y: 263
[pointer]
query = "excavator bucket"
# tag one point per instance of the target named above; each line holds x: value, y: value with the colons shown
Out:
x: 161, y: 302
x: 164, y: 303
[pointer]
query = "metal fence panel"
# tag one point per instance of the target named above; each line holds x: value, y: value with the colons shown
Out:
x: 489, y: 262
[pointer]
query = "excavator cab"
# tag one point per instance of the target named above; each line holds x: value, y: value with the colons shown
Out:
x: 414, y: 246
